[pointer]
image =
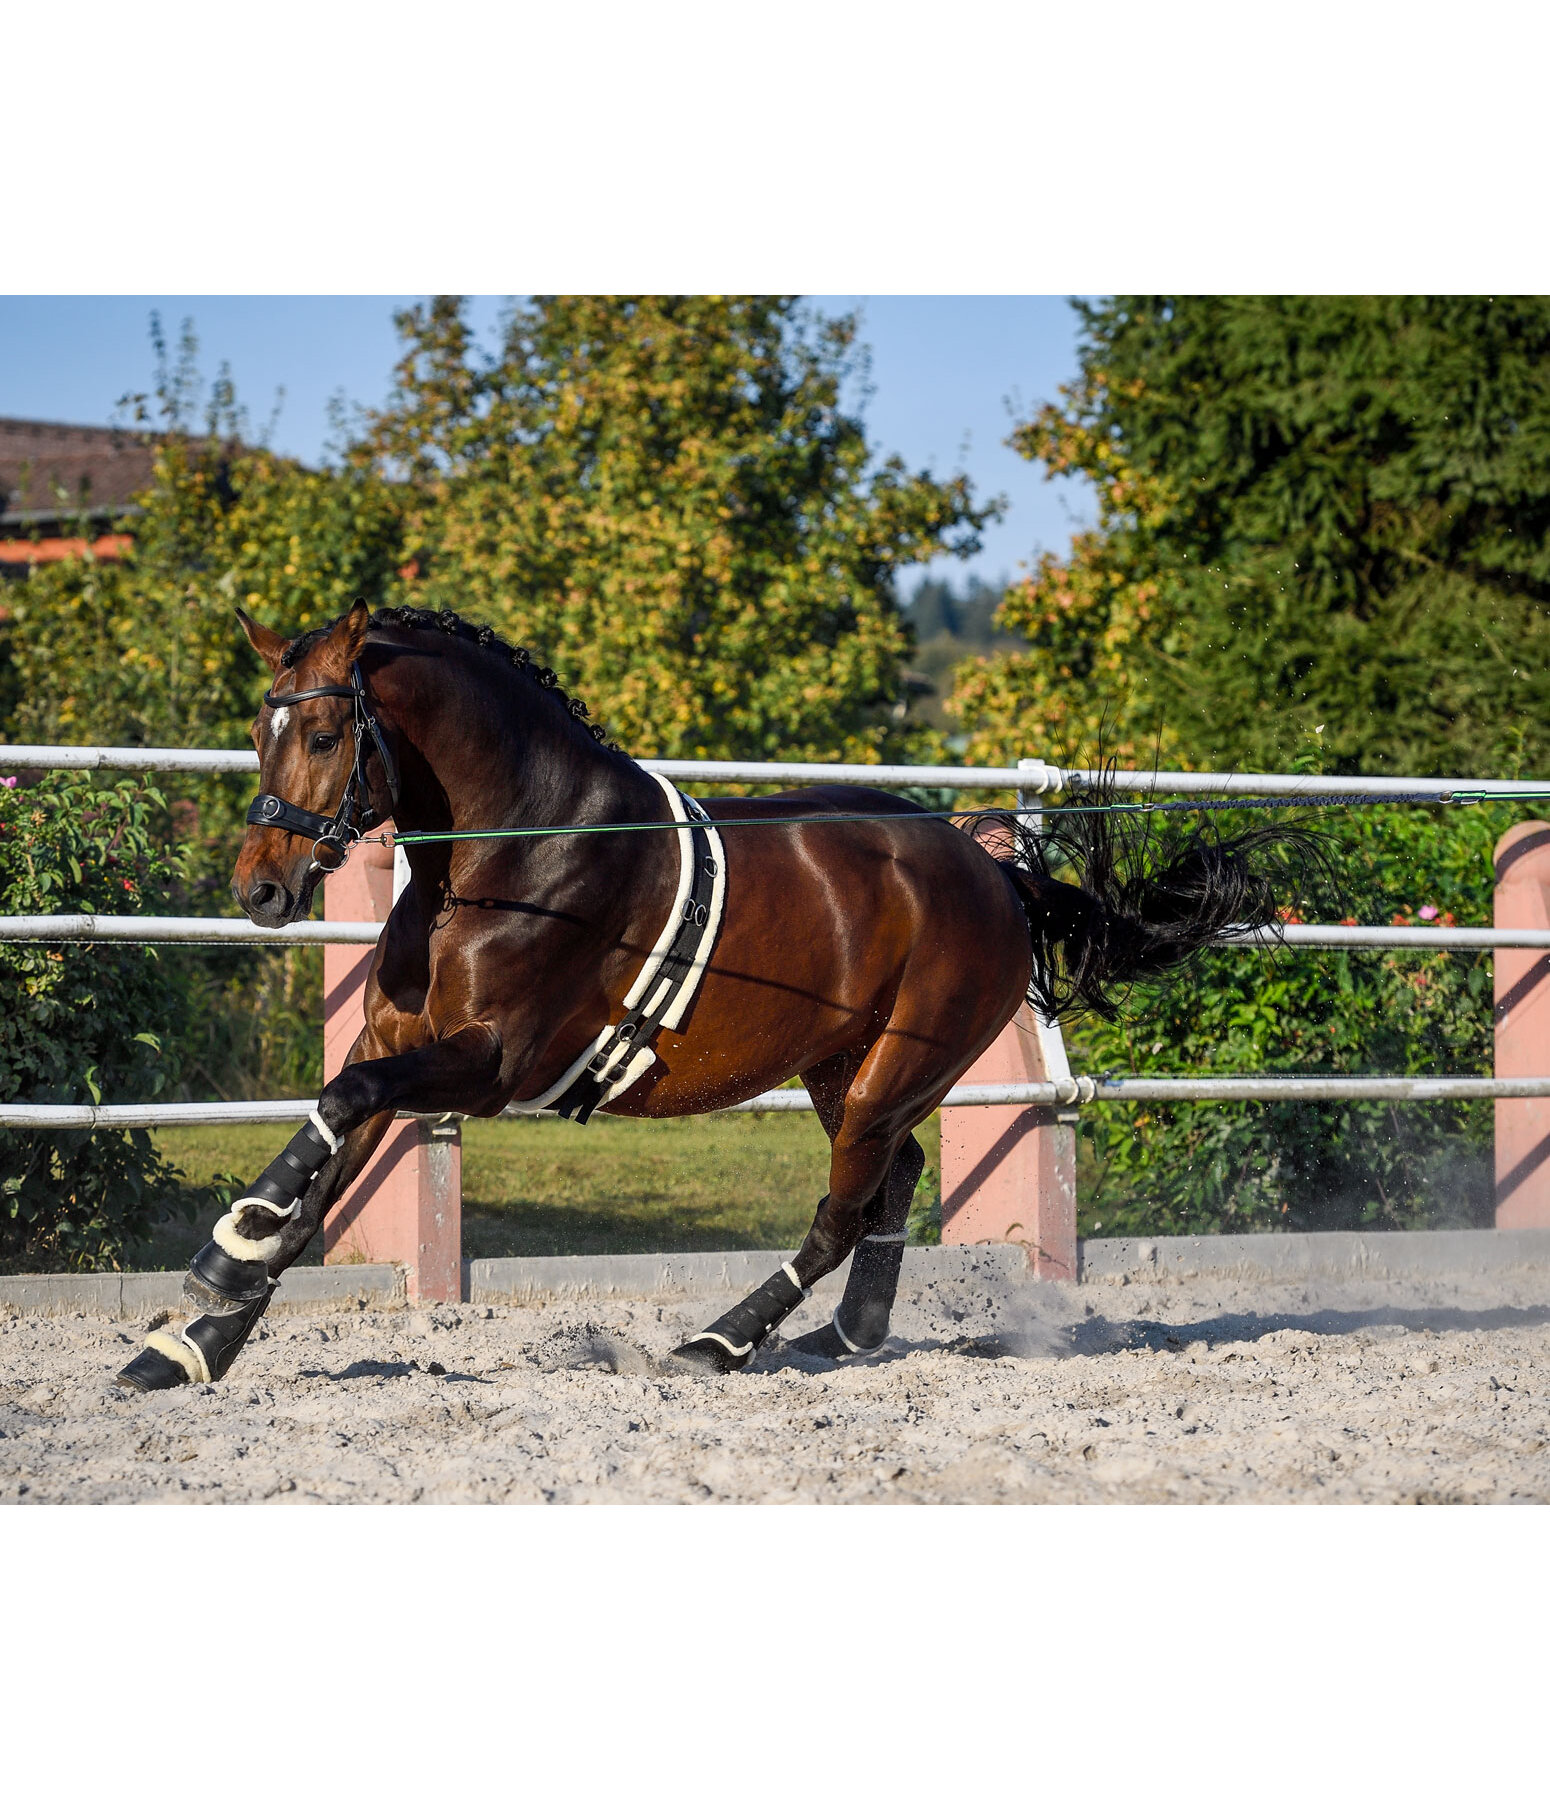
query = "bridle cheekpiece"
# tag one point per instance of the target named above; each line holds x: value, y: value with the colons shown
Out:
x: 332, y: 838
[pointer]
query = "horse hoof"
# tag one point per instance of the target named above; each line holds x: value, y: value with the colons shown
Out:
x: 825, y: 1342
x: 712, y: 1356
x: 151, y: 1370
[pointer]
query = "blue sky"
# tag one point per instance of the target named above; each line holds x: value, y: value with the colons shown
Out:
x: 945, y: 370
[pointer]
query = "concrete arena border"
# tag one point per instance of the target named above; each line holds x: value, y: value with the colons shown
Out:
x: 537, y: 1280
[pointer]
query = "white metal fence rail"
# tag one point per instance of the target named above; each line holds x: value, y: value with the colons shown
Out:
x: 1080, y: 1091
x: 119, y: 928
x: 1031, y: 777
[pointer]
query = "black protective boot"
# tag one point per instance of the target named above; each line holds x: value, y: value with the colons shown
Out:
x: 730, y: 1343
x: 860, y: 1321
x: 202, y: 1351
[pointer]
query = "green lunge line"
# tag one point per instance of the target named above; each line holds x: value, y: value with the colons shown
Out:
x: 1463, y: 797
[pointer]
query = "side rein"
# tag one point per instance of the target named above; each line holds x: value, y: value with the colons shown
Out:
x: 332, y: 838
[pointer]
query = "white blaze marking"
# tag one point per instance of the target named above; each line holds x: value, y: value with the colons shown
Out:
x: 279, y: 717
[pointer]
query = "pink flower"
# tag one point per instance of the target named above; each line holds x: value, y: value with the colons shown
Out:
x: 1428, y: 912
x: 7, y: 781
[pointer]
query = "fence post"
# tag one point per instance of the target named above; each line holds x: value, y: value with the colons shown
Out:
x: 406, y: 1207
x: 1009, y: 1172
x: 1523, y: 1026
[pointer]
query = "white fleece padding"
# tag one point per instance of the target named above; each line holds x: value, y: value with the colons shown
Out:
x: 645, y: 1056
x: 245, y: 1249
x: 323, y: 1132
x: 642, y: 982
x: 718, y: 900
x: 715, y: 1337
x: 280, y: 1212
x: 795, y: 1280
x: 185, y: 1354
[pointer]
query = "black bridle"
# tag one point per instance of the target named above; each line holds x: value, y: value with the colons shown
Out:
x: 333, y: 837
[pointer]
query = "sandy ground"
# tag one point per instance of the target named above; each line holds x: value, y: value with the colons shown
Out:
x: 1219, y: 1391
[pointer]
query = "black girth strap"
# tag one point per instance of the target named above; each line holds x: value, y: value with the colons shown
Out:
x: 332, y: 837
x: 639, y: 1025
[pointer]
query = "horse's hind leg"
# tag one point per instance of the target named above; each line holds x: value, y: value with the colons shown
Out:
x: 860, y: 1321
x: 897, y: 1085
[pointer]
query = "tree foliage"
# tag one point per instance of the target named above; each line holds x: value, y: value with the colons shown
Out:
x: 1322, y: 522
x: 1313, y: 511
x: 665, y: 498
x: 145, y: 650
x: 83, y: 1022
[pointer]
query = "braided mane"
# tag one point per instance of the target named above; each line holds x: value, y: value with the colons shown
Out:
x: 420, y: 618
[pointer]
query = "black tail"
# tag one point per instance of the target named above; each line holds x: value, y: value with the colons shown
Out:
x: 1145, y: 900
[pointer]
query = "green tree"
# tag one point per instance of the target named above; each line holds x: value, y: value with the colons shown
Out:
x: 1313, y: 511
x: 1322, y: 521
x: 665, y: 498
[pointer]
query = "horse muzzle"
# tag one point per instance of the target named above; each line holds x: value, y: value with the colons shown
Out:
x: 271, y: 903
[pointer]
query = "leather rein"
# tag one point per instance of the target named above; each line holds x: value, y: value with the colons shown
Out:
x: 333, y: 838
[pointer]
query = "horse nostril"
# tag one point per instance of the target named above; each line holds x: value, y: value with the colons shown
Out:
x: 263, y: 896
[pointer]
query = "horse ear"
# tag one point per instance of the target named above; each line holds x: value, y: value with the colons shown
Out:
x: 343, y: 644
x: 269, y: 644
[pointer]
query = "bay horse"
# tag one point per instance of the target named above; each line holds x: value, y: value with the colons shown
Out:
x: 868, y: 950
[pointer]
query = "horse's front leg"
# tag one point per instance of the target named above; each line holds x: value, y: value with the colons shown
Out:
x: 233, y: 1278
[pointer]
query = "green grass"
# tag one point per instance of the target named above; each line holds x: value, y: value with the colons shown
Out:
x: 546, y: 1187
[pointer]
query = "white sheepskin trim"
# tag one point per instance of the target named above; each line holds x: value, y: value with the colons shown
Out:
x: 245, y: 1249
x: 648, y: 974
x: 715, y: 1337
x: 795, y: 1279
x: 323, y: 1132
x: 280, y: 1212
x: 672, y: 1019
x: 180, y: 1352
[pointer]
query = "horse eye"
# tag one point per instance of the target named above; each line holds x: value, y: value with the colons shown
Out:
x: 323, y: 742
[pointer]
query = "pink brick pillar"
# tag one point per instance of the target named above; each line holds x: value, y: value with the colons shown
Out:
x: 407, y: 1205
x: 1523, y: 1026
x: 1009, y: 1172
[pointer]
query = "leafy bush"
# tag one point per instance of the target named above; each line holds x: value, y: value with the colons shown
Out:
x: 255, y: 1024
x: 83, y: 1022
x: 1314, y: 1166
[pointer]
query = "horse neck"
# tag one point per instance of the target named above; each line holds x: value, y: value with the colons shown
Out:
x: 482, y: 745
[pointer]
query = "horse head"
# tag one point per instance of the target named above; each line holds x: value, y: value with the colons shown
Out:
x: 313, y: 734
